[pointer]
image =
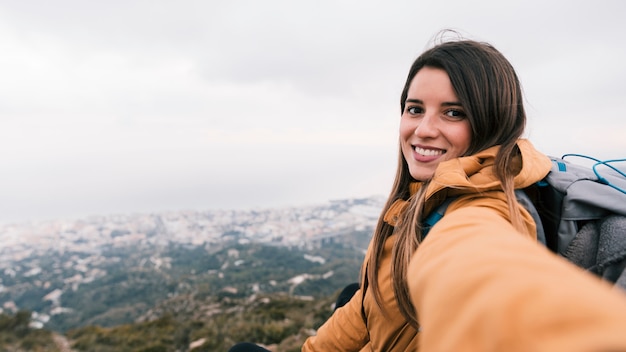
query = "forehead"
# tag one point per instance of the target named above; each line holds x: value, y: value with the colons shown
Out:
x: 431, y: 83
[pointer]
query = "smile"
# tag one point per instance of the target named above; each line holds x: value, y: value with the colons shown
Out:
x: 428, y: 152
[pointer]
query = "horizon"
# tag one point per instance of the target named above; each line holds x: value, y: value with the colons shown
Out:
x: 86, y: 217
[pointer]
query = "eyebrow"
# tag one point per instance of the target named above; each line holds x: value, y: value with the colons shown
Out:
x: 447, y: 103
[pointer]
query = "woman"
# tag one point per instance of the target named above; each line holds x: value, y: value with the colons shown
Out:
x: 478, y: 281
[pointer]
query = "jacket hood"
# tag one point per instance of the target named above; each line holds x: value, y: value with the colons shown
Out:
x: 475, y: 173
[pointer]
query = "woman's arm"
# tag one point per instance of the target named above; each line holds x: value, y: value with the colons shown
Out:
x: 345, y: 330
x: 479, y: 285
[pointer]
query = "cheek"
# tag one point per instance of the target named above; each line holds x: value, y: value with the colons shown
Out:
x: 406, y: 129
x: 404, y: 135
x: 464, y: 138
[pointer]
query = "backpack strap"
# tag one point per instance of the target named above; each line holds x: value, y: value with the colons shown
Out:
x: 435, y: 216
x: 525, y: 201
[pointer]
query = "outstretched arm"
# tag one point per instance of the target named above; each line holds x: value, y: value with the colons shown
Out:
x: 345, y: 330
x: 479, y: 285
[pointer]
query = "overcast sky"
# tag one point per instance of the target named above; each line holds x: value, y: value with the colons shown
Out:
x: 118, y: 106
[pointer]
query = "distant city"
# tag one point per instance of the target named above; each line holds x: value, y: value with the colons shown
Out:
x: 52, y: 257
x: 290, y: 226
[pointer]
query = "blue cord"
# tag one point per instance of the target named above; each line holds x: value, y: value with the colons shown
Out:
x: 581, y: 156
x: 605, y: 181
x: 605, y: 163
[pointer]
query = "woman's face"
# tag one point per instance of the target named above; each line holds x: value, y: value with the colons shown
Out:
x: 434, y: 127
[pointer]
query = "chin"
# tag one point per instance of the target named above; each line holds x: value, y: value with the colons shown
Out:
x: 422, y: 174
x: 421, y: 177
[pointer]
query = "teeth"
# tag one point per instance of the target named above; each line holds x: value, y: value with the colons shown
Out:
x: 428, y: 152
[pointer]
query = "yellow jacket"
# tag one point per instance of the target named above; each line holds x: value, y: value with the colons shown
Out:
x: 480, y: 285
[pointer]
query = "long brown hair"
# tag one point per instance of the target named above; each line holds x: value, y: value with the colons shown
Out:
x: 489, y: 91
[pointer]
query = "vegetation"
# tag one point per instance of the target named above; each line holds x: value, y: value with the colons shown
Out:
x: 201, y: 299
x: 176, y: 297
x: 17, y: 335
x: 279, y: 321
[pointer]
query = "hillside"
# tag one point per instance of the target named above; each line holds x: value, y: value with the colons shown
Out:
x: 175, y: 281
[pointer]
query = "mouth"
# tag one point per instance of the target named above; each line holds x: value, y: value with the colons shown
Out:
x: 428, y: 152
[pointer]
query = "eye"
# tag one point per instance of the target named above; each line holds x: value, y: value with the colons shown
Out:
x: 414, y: 110
x: 456, y: 114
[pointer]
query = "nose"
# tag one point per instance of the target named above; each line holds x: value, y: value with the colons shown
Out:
x: 427, y: 126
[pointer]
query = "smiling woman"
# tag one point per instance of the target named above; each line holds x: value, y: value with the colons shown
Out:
x: 479, y: 281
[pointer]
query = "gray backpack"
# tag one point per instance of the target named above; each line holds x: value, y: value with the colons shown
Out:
x: 580, y: 214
